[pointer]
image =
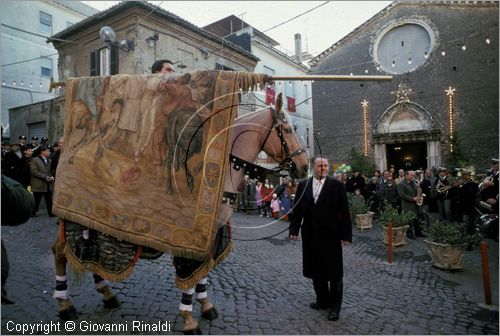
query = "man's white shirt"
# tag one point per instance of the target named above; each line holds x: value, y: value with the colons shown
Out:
x: 317, y: 186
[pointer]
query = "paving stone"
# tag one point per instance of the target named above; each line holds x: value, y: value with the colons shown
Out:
x: 259, y: 288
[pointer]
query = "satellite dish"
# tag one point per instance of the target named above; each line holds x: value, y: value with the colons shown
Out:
x: 107, y: 34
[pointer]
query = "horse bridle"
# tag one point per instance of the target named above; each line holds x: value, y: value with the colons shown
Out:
x: 287, y: 163
x: 255, y: 171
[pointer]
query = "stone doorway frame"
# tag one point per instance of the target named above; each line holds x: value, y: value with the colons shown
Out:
x: 422, y: 128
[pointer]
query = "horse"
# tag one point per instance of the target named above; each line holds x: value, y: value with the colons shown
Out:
x: 269, y: 131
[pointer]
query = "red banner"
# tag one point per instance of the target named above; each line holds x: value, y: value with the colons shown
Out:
x: 291, y: 104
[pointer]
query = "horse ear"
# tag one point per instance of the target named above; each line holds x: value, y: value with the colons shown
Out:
x: 279, y: 102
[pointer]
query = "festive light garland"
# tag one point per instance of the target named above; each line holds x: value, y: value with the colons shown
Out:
x: 450, y: 92
x: 364, y: 104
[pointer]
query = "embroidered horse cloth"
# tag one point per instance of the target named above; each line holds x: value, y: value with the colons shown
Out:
x: 145, y: 156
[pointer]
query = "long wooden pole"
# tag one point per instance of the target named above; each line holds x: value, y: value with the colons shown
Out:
x: 389, y: 243
x: 346, y: 78
x: 486, y: 272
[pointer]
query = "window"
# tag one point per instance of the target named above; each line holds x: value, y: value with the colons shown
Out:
x: 219, y: 66
x: 46, y: 67
x: 403, y: 46
x: 45, y: 22
x: 104, y: 62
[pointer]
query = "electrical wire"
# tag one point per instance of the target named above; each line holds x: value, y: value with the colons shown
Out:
x: 295, y: 17
x: 28, y: 60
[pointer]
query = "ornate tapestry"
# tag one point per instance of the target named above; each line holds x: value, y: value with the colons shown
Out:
x: 144, y: 156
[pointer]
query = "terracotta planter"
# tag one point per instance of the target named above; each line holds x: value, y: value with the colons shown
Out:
x: 398, y: 235
x: 446, y: 256
x: 364, y: 221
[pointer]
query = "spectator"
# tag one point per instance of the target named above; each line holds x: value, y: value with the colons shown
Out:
x: 266, y: 192
x: 275, y: 206
x: 17, y: 206
x: 42, y: 181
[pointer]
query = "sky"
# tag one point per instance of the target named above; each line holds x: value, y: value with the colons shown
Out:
x: 319, y: 28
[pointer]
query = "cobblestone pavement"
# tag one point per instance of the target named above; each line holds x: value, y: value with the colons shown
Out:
x: 260, y: 289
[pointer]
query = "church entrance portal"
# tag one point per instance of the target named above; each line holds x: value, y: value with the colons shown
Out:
x: 408, y: 156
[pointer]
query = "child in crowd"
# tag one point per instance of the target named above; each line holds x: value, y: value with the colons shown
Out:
x: 275, y: 206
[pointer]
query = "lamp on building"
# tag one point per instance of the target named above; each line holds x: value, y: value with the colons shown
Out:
x: 181, y: 65
x: 108, y: 36
x: 152, y: 39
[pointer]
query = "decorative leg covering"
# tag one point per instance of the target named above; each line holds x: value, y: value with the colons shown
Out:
x: 186, y: 311
x: 66, y: 310
x: 208, y: 310
x: 190, y: 324
x: 109, y: 299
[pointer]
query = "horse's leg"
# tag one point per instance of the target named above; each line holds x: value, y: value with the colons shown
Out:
x: 65, y: 307
x: 208, y: 310
x: 109, y: 299
x: 191, y: 326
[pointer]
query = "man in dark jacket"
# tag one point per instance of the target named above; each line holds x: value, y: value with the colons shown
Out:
x: 322, y: 211
x: 17, y: 206
x: 409, y: 195
x: 42, y: 181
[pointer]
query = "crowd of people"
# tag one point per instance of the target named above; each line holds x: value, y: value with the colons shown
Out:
x: 34, y: 166
x: 453, y: 195
x: 266, y: 199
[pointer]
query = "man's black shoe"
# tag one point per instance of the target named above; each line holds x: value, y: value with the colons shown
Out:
x: 333, y: 316
x: 316, y: 306
x: 421, y: 234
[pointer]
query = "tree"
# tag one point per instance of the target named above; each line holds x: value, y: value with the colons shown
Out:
x: 457, y: 158
x: 361, y: 163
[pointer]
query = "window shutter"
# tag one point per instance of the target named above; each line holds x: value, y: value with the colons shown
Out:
x: 94, y: 63
x: 113, y: 66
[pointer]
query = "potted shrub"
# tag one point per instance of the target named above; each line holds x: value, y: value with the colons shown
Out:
x: 360, y: 210
x: 400, y: 223
x: 447, y: 243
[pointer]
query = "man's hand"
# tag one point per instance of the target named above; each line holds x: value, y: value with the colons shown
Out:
x: 292, y: 237
x: 345, y: 243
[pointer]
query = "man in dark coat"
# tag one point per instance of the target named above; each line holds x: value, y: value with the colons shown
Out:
x: 467, y: 192
x: 42, y: 181
x: 17, y: 206
x: 321, y: 208
x: 13, y: 163
x: 409, y: 195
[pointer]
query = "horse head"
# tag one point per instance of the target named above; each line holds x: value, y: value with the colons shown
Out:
x: 282, y: 144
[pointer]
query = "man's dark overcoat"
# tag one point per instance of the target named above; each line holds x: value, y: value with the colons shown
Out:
x: 407, y: 191
x: 324, y: 225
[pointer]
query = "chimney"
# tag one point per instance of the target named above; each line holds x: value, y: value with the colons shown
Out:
x: 298, y: 48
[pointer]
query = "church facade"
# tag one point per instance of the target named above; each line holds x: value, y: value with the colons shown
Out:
x: 442, y: 102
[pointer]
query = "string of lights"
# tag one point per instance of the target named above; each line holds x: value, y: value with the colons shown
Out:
x: 364, y: 105
x: 450, y: 92
x: 442, y: 51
